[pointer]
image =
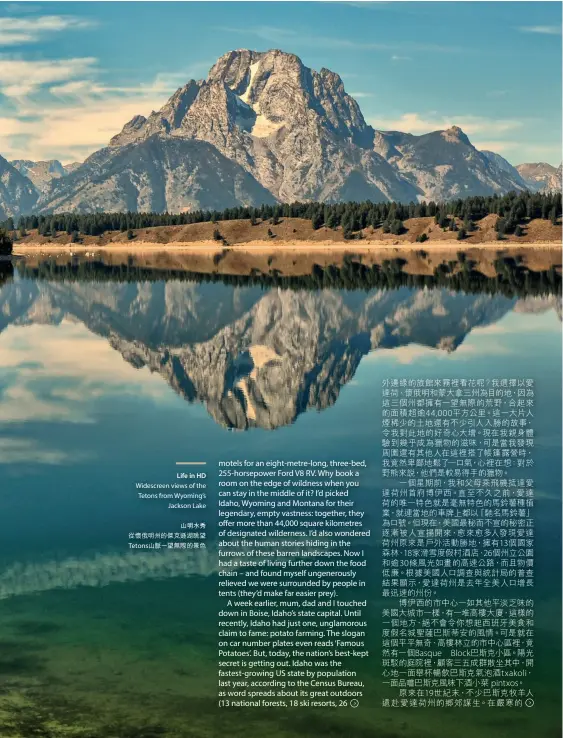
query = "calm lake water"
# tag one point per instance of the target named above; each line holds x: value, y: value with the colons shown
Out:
x: 105, y: 381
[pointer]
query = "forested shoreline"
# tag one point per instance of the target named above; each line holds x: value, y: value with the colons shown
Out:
x: 459, y: 215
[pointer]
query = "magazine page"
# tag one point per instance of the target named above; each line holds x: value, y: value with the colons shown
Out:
x: 280, y: 369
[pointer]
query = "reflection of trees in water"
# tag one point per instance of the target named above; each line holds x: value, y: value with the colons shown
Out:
x: 100, y: 570
x: 513, y: 279
x: 6, y: 272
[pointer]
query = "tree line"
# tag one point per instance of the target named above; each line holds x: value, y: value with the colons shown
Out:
x: 513, y: 209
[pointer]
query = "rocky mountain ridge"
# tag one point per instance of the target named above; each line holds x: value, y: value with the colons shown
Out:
x: 17, y: 193
x: 541, y: 176
x: 42, y: 173
x: 263, y: 127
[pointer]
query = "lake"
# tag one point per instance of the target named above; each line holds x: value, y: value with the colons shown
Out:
x: 110, y: 375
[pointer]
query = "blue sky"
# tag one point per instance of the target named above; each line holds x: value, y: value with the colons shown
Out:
x: 71, y: 74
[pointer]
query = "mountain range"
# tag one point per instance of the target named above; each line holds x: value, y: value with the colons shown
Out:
x: 261, y: 128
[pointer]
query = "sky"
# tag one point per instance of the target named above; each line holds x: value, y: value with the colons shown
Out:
x: 73, y: 73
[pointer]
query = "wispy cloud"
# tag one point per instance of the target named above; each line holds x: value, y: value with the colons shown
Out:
x: 363, y: 4
x: 546, y: 30
x: 25, y: 7
x: 498, y: 147
x: 52, y: 383
x: 397, y: 57
x: 392, y: 6
x: 60, y: 110
x: 471, y: 124
x: 361, y: 94
x: 532, y: 151
x: 73, y: 130
x: 17, y: 30
x: 19, y: 77
x: 26, y: 451
x: 277, y: 35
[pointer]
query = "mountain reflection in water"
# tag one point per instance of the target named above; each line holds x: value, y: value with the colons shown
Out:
x: 255, y: 353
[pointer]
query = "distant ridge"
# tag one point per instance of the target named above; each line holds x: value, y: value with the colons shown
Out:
x: 541, y: 176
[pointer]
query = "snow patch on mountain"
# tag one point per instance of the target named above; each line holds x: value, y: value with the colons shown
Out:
x: 263, y: 127
x: 252, y: 73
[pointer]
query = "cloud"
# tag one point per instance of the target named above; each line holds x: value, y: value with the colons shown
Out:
x: 276, y: 35
x: 71, y: 132
x: 396, y: 57
x: 524, y: 151
x: 24, y: 7
x: 17, y: 31
x: 519, y: 322
x: 77, y: 131
x: 407, y: 354
x: 58, y: 108
x: 19, y: 77
x: 361, y: 94
x: 77, y: 368
x: 26, y: 451
x: 62, y: 112
x: 470, y: 124
x: 545, y: 30
x: 498, y: 146
x: 76, y: 88
x: 412, y: 353
x: 363, y: 4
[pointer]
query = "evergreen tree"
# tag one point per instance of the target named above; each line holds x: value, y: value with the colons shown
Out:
x: 5, y: 243
x: 332, y: 220
x: 346, y: 224
x: 468, y: 225
x: 441, y: 218
x: 317, y: 220
x: 396, y: 227
x: 545, y: 209
x: 347, y: 231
